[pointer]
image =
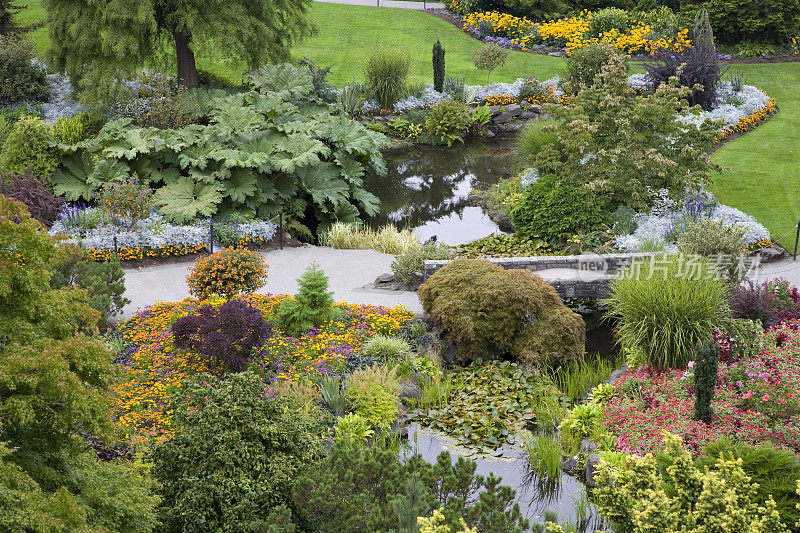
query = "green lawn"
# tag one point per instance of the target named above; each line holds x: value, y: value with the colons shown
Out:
x: 764, y: 179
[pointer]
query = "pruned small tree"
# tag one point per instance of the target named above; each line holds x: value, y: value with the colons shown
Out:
x: 489, y: 57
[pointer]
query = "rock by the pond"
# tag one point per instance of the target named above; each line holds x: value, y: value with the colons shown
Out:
x: 528, y: 115
x: 535, y: 108
x: 494, y: 109
x: 591, y: 469
x: 489, y: 134
x: 409, y: 390
x: 388, y: 282
x: 512, y: 127
x: 511, y: 111
x: 569, y: 465
x: 588, y: 446
x: 616, y: 374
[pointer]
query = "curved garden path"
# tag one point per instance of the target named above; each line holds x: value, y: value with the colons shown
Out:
x: 349, y: 271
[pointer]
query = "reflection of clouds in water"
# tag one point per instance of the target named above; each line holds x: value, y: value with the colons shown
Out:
x: 458, y: 228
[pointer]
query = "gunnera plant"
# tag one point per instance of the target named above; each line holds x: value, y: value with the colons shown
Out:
x: 665, y: 306
x: 486, y: 310
x: 386, y: 70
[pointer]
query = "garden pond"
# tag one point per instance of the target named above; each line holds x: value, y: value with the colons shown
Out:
x: 427, y: 188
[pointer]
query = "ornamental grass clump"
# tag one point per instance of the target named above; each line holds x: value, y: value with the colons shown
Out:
x: 665, y: 306
x: 386, y: 70
x: 227, y: 335
x: 485, y: 310
x: 228, y: 273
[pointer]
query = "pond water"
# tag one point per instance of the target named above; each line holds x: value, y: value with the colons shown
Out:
x: 565, y: 495
x: 427, y: 188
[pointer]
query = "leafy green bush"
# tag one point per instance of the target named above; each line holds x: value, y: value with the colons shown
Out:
x: 665, y: 306
x: 532, y: 138
x: 386, y: 70
x: 638, y: 147
x: 776, y: 472
x: 353, y: 428
x: 489, y: 57
x: 22, y: 80
x: 585, y: 64
x: 9, y: 116
x: 234, y: 455
x: 503, y: 245
x: 55, y: 384
x: 448, y: 121
x: 408, y: 264
x: 104, y: 282
x: 126, y: 202
x: 715, y: 240
x: 77, y: 128
x: 28, y: 145
x: 555, y: 210
x: 484, y: 310
x: 311, y: 307
x: 387, y: 349
x: 370, y: 489
x: 705, y: 379
x: 372, y: 393
x: 635, y: 496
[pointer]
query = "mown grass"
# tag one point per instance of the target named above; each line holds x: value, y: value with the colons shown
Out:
x: 764, y: 176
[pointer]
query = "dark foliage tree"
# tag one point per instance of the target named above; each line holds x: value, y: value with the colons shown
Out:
x: 438, y: 67
x: 105, y: 38
x: 37, y: 196
x: 8, y: 26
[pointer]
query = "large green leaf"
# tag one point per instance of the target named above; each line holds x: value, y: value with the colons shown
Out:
x: 369, y: 203
x: 351, y: 169
x: 240, y: 185
x: 283, y: 79
x: 69, y: 179
x: 184, y: 200
x: 323, y: 183
x: 195, y: 156
x: 299, y: 151
x: 234, y: 120
x: 132, y: 143
x: 108, y: 171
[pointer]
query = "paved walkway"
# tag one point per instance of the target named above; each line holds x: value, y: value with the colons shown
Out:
x: 349, y: 271
x: 784, y: 268
x: 401, y: 4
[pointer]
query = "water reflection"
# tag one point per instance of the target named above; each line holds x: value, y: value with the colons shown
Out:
x: 427, y: 188
x: 565, y: 495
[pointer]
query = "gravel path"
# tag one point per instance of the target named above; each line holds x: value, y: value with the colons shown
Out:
x: 349, y: 271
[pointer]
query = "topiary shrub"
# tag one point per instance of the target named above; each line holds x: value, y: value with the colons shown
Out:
x: 229, y: 272
x: 104, y: 282
x: 372, y: 393
x: 489, y: 57
x: 27, y: 146
x: 311, y: 307
x: 37, y: 196
x: 438, y: 67
x: 585, y: 64
x: 663, y: 309
x: 227, y: 335
x: 22, y: 81
x: 486, y: 310
x: 234, y: 456
x: 705, y: 380
x: 555, y: 210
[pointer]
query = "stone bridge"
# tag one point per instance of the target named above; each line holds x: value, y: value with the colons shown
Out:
x: 573, y: 276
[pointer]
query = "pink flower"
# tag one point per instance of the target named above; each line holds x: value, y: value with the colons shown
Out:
x: 765, y: 398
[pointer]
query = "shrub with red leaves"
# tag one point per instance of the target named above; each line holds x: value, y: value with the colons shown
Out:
x: 27, y: 188
x: 228, y: 335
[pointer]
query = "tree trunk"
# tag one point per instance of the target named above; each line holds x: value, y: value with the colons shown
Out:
x: 187, y: 70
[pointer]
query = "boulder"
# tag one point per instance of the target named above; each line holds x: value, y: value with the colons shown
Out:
x: 410, y: 390
x: 588, y: 446
x: 494, y: 109
x: 528, y: 115
x: 512, y: 127
x: 591, y: 469
x: 569, y: 465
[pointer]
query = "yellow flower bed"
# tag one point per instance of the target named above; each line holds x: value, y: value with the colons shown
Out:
x: 573, y: 33
x: 157, y: 369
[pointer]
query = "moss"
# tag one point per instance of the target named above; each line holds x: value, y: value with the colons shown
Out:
x: 486, y: 310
